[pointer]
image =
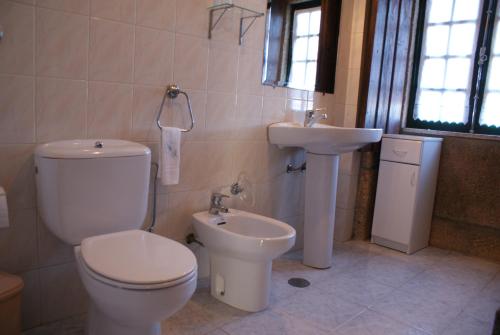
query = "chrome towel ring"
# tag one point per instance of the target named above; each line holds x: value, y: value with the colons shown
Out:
x: 173, y: 92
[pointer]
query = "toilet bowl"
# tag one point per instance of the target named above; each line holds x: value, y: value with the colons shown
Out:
x: 93, y: 194
x: 133, y: 286
x: 241, y: 247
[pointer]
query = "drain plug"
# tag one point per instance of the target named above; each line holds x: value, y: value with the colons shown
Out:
x: 298, y: 282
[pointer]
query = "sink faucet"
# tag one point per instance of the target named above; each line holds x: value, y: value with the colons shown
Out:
x: 216, y: 206
x: 312, y: 116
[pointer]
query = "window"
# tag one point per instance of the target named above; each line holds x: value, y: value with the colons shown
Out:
x: 456, y: 73
x: 304, y: 53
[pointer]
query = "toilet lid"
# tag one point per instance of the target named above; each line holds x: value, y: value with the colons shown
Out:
x: 137, y: 257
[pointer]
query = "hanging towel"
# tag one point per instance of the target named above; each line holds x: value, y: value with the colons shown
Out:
x: 170, y: 155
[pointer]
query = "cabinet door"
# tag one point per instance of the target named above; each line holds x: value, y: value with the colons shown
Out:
x: 395, y: 201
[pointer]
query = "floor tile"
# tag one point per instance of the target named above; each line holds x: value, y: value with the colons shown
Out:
x: 356, y: 287
x: 271, y: 323
x: 324, y: 310
x: 372, y: 323
x: 467, y: 325
x: 424, y: 313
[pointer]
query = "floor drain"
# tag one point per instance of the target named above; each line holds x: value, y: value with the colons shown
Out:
x: 299, y: 282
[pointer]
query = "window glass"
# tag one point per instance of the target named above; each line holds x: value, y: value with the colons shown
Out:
x: 490, y: 110
x: 446, y: 63
x: 305, y: 40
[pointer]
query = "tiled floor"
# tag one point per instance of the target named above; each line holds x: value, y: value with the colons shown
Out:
x: 368, y: 290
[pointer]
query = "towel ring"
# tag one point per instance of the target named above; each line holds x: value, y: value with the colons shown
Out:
x: 173, y: 92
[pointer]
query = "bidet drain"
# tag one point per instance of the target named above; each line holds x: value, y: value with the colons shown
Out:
x: 299, y: 282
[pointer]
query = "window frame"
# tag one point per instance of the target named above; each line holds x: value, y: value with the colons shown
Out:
x: 472, y: 125
x: 293, y: 8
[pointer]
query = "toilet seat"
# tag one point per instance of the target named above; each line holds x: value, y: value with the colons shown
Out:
x: 137, y: 260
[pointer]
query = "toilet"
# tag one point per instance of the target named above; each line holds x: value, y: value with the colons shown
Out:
x: 93, y: 195
x: 241, y: 247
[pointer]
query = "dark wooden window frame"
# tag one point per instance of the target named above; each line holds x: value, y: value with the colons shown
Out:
x: 445, y: 126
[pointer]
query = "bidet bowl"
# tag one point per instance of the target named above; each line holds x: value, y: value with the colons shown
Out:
x: 241, y: 247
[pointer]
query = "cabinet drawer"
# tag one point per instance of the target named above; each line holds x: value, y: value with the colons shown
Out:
x: 403, y: 151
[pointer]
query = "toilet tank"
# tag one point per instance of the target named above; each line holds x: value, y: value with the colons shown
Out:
x: 92, y: 187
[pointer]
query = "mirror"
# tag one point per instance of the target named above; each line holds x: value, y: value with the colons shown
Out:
x: 300, y: 48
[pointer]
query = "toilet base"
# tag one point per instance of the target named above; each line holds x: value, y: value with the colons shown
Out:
x: 99, y: 324
x: 242, y: 284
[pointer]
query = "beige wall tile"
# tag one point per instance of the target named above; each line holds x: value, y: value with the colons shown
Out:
x: 222, y: 68
x: 73, y: 6
x: 18, y: 44
x: 118, y: 10
x: 273, y: 110
x: 250, y: 72
x: 18, y: 176
x: 111, y: 54
x: 156, y: 14
x: 248, y: 124
x: 154, y: 56
x: 61, y: 44
x: 109, y: 112
x: 192, y: 17
x: 191, y: 62
x: 18, y: 242
x: 17, y: 113
x: 220, y: 115
x: 147, y: 100
x: 60, y: 102
x: 61, y: 288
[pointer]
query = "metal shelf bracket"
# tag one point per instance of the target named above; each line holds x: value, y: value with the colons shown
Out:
x: 246, y: 14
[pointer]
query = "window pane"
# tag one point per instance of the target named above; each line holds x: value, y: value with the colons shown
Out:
x: 297, y: 75
x: 436, y: 43
x: 457, y: 73
x: 301, y: 23
x: 494, y: 80
x: 440, y: 10
x: 490, y: 114
x: 433, y: 73
x: 311, y: 76
x: 454, y: 107
x: 465, y: 10
x: 462, y: 39
x: 315, y: 22
x: 490, y: 110
x: 299, y: 49
x: 312, y: 49
x: 427, y: 107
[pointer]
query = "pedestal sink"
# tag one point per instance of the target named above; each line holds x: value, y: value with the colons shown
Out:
x: 323, y: 145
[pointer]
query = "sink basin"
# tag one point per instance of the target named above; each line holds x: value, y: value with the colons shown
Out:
x: 323, y: 144
x: 322, y: 139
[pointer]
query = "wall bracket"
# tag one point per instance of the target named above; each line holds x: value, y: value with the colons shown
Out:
x: 246, y: 14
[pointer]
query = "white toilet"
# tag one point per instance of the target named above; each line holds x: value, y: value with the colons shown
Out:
x: 93, y: 195
x: 241, y: 247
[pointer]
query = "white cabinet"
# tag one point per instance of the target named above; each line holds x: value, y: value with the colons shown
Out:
x: 405, y: 191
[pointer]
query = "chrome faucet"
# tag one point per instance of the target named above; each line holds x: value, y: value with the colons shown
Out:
x: 216, y: 206
x: 313, y: 116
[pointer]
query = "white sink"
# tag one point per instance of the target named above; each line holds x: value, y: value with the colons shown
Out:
x: 323, y: 144
x: 322, y: 139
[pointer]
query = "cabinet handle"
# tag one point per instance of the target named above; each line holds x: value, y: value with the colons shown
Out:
x: 400, y: 152
x: 413, y: 179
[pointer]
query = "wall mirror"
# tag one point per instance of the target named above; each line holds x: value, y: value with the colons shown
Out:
x: 300, y: 49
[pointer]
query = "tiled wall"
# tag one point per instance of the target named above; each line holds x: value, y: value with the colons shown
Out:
x: 98, y: 68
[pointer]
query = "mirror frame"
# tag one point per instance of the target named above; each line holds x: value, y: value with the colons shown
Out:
x: 327, y: 47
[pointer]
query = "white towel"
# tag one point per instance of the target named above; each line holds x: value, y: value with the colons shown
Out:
x: 170, y: 155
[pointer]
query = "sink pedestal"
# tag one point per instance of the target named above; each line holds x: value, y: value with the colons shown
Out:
x: 319, y: 221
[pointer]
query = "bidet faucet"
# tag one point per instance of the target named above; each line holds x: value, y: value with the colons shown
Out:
x: 312, y: 116
x: 216, y: 206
